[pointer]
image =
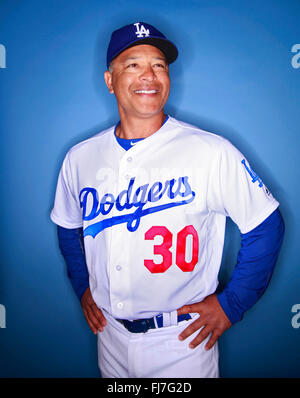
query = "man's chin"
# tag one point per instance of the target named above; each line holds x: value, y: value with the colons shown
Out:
x: 149, y: 111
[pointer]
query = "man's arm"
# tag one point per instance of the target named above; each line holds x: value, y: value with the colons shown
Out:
x: 255, y: 264
x: 72, y: 248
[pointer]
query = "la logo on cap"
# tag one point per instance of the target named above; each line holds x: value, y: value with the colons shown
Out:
x: 141, y: 31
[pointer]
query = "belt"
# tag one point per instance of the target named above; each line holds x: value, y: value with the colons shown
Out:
x: 143, y: 325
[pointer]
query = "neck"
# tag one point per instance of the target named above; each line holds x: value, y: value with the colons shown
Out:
x: 131, y: 128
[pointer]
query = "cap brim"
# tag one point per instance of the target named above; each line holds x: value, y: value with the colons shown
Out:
x: 164, y: 45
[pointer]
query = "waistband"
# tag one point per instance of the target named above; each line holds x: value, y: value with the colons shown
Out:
x: 143, y: 325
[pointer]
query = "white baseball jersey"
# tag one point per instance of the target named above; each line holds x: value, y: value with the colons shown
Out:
x: 154, y: 216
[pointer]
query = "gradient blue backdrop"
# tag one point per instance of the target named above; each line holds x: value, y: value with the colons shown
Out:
x: 233, y: 77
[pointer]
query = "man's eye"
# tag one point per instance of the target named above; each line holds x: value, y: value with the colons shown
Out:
x: 133, y: 65
x: 160, y: 66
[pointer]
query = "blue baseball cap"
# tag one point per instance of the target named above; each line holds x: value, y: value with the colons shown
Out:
x: 139, y: 33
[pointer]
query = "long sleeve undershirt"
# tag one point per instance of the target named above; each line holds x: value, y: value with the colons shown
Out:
x: 255, y: 264
x: 72, y: 248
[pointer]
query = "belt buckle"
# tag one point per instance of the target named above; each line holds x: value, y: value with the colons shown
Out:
x: 145, y: 325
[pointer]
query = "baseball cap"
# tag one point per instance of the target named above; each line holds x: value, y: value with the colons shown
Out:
x: 139, y: 33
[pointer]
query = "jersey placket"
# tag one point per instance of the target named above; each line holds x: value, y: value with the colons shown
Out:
x: 120, y: 284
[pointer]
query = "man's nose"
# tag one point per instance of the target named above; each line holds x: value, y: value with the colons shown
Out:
x: 148, y: 74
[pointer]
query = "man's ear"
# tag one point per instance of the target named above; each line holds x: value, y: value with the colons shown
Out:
x: 108, y: 81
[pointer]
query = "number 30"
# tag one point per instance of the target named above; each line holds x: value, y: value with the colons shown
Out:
x: 164, y: 249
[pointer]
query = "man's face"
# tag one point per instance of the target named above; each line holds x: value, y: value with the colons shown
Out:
x: 140, y: 81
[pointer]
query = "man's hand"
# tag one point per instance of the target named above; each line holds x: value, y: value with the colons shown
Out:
x: 212, y: 318
x: 92, y: 313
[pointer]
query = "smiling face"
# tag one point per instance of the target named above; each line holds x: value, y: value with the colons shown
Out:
x: 140, y: 81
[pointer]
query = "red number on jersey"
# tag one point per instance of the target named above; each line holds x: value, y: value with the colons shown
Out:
x: 181, y: 249
x: 162, y: 249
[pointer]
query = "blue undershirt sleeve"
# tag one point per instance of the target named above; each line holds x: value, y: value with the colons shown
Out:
x: 255, y: 264
x: 72, y: 248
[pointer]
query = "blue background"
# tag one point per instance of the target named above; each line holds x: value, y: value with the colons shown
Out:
x: 233, y: 77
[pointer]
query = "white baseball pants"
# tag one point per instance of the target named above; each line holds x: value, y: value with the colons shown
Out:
x: 156, y: 353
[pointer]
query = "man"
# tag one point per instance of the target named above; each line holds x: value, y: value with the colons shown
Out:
x: 150, y: 197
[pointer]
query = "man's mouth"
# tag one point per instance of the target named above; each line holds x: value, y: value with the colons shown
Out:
x: 146, y: 91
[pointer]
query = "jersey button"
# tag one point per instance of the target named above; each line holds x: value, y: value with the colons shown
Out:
x: 118, y: 267
x: 120, y: 305
x: 129, y: 159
